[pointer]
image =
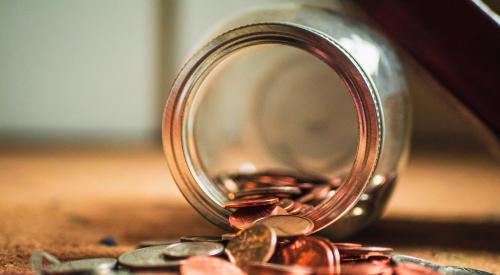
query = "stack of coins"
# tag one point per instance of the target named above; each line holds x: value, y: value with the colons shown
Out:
x: 274, y: 245
x: 267, y: 193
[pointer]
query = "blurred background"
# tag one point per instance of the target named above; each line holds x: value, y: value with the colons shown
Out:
x: 99, y: 72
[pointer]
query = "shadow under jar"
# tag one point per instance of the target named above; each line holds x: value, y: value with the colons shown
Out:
x: 290, y: 95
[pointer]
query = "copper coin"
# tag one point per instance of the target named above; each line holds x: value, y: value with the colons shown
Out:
x: 297, y: 206
x: 252, y: 245
x: 307, y: 251
x: 277, y: 269
x: 319, y: 192
x: 201, y: 265
x: 306, y: 208
x: 413, y: 269
x: 287, y: 226
x: 366, y: 269
x: 347, y: 245
x: 293, y: 190
x: 364, y: 251
x: 336, y: 256
x: 250, y: 202
x: 286, y: 204
x: 245, y: 217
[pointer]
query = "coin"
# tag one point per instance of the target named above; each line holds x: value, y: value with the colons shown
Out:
x: 255, y: 244
x: 156, y: 242
x: 245, y: 217
x: 286, y: 204
x: 148, y: 258
x: 366, y: 269
x: 250, y: 202
x: 308, y: 251
x: 81, y: 266
x: 269, y: 190
x: 277, y: 269
x: 404, y: 259
x: 216, y: 239
x: 288, y: 226
x: 413, y: 269
x: 227, y: 236
x: 364, y: 251
x: 347, y: 245
x: 187, y: 249
x: 202, y: 265
x: 456, y: 270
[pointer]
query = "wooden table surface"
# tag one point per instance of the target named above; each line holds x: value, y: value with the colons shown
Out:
x: 446, y: 207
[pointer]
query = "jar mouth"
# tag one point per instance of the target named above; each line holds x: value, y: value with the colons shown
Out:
x: 186, y: 168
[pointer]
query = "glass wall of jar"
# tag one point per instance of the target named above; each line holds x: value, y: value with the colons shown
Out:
x: 291, y: 90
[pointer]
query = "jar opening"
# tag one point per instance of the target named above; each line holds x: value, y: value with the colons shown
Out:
x: 272, y: 99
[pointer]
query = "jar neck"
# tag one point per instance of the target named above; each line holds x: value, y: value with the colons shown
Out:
x: 185, y: 165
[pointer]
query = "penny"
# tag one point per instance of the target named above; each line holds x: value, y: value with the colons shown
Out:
x: 413, y: 269
x: 148, y: 243
x: 81, y: 266
x: 245, y: 217
x: 296, y: 208
x: 347, y: 245
x: 269, y: 190
x: 252, y: 245
x: 307, y: 251
x: 277, y: 269
x: 288, y: 226
x: 286, y: 204
x: 187, y: 249
x: 216, y: 239
x: 366, y: 269
x: 202, y: 265
x: 364, y: 251
x: 250, y: 202
x: 319, y: 192
x: 148, y: 258
x: 336, y: 258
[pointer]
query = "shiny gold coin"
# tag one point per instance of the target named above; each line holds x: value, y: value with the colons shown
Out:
x: 288, y: 226
x: 255, y: 244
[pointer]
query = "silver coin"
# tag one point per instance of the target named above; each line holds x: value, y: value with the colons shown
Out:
x: 215, y: 239
x: 148, y: 243
x: 188, y: 249
x: 403, y: 259
x: 456, y: 270
x: 148, y: 258
x: 94, y: 265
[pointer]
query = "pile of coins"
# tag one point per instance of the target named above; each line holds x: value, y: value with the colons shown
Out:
x: 267, y: 193
x: 273, y: 245
x: 273, y: 238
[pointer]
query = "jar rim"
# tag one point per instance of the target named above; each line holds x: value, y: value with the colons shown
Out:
x: 186, y: 169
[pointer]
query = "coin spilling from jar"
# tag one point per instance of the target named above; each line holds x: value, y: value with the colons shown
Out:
x: 272, y: 237
x: 272, y: 245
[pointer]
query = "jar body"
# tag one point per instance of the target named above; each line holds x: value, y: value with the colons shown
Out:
x: 298, y: 88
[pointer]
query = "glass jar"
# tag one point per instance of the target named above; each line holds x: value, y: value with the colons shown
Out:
x: 295, y: 88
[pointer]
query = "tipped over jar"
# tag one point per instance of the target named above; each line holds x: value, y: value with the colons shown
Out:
x: 298, y: 105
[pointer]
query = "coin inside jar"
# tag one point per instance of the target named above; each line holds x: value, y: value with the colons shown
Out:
x: 288, y: 226
x: 246, y: 217
x: 187, y: 249
x: 81, y: 266
x: 216, y: 239
x: 240, y: 203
